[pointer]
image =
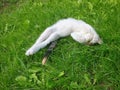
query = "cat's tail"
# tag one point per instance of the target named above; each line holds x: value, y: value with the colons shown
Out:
x: 47, y: 53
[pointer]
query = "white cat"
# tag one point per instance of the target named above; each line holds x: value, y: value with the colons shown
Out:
x: 78, y: 29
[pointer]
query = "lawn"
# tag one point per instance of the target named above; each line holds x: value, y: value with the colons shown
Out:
x: 71, y: 66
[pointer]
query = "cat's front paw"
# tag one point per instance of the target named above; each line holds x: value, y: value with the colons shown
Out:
x: 29, y: 52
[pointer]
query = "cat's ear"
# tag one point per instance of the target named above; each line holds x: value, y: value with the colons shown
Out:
x: 100, y: 41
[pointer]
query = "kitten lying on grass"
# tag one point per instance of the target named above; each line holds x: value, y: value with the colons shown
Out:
x: 78, y: 29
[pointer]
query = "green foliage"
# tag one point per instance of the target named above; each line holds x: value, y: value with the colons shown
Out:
x: 71, y: 66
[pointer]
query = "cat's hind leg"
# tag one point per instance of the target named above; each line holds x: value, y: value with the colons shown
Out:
x: 45, y: 35
x: 41, y: 38
x: 37, y: 47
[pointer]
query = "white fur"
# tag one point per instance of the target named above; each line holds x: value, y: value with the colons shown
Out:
x: 78, y: 29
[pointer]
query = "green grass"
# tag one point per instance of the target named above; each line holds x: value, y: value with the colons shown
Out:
x: 71, y: 66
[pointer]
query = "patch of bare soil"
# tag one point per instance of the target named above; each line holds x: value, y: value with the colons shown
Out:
x: 5, y: 5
